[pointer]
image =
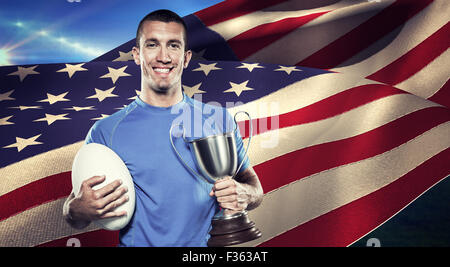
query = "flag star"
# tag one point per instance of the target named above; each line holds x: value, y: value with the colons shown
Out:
x: 206, y: 68
x: 6, y: 96
x: 288, y: 70
x: 238, y: 88
x: 27, y: 107
x: 124, y: 56
x: 249, y: 66
x: 190, y: 91
x: 134, y: 97
x: 80, y: 108
x: 52, y: 99
x: 23, y: 72
x: 115, y: 74
x: 22, y: 143
x: 71, y: 69
x: 49, y: 118
x: 198, y: 55
x: 102, y: 116
x: 4, y: 121
x: 102, y: 94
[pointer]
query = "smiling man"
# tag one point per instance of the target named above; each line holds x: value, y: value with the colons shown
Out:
x: 173, y: 207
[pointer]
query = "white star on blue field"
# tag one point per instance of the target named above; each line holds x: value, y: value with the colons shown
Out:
x: 55, y: 31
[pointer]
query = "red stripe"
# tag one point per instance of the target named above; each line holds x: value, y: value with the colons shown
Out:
x: 251, y: 41
x: 365, y: 34
x: 350, y: 222
x: 99, y: 238
x: 35, y: 193
x: 416, y: 59
x: 326, y: 108
x: 298, y: 164
x: 443, y: 95
x: 230, y: 9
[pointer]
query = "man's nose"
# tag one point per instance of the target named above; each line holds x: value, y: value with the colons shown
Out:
x: 163, y: 55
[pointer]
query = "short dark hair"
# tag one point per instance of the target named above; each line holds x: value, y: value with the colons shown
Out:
x: 163, y: 15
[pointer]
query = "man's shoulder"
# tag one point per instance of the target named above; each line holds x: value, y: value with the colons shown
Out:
x: 195, y: 103
x: 109, y: 122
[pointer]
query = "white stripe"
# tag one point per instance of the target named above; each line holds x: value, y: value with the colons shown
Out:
x: 233, y: 27
x: 302, y: 94
x: 301, y: 201
x: 430, y: 79
x: 412, y: 33
x: 37, y: 167
x: 38, y: 225
x: 316, y: 34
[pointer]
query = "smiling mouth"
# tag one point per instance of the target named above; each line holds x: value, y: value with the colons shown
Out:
x: 162, y: 70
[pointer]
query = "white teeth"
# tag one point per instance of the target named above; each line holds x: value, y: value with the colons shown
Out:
x: 162, y: 70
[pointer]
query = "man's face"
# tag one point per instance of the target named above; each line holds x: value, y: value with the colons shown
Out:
x: 162, y: 55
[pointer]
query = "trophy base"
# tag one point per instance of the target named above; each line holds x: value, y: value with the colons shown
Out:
x: 232, y: 231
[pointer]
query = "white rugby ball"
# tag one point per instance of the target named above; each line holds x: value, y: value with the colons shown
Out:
x: 95, y: 160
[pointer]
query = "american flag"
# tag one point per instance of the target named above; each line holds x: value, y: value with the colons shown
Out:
x: 350, y: 101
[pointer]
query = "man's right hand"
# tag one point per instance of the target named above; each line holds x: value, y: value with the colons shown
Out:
x: 90, y: 204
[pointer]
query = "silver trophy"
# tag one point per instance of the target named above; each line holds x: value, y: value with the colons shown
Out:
x: 216, y: 157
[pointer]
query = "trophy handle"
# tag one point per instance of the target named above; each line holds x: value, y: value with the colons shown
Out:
x: 249, y: 137
x: 178, y: 154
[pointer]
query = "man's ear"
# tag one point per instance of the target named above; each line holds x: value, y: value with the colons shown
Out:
x: 136, y: 58
x: 187, y: 58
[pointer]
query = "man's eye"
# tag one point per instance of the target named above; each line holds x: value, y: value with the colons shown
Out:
x: 151, y: 45
x: 174, y: 45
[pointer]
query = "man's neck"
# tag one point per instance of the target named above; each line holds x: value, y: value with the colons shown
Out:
x: 161, y: 99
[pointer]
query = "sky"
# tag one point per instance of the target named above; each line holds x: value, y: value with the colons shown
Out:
x: 69, y: 31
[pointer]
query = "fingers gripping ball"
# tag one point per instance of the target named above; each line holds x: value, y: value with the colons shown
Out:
x: 96, y: 160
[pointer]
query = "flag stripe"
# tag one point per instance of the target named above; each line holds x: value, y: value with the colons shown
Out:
x: 301, y: 94
x: 365, y: 34
x: 349, y: 222
x: 227, y: 10
x: 258, y: 37
x: 272, y: 144
x: 35, y: 193
x: 32, y: 169
x: 97, y: 238
x: 231, y: 28
x: 443, y: 95
x: 38, y: 225
x: 398, y: 42
x: 328, y: 107
x: 303, y: 162
x: 416, y: 59
x: 420, y: 84
x: 314, y: 35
